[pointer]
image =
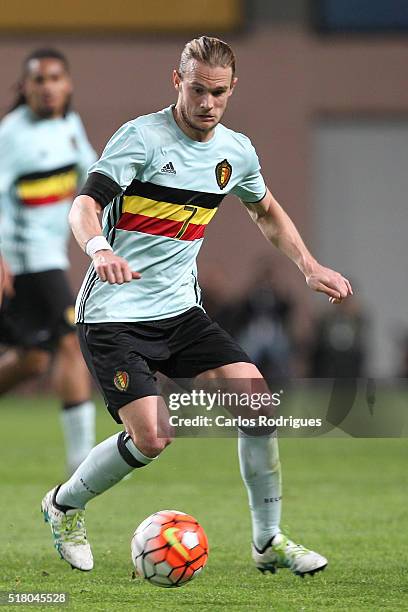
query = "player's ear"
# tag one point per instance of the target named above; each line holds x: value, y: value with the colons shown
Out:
x: 176, y: 79
x: 233, y: 83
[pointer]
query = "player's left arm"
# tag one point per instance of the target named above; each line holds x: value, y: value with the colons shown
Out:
x: 279, y: 229
x: 8, y: 175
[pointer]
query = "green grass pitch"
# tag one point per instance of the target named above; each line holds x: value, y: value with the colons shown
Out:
x: 346, y: 498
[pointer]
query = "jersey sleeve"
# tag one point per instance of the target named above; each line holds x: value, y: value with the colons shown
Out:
x: 86, y: 153
x: 122, y: 159
x: 7, y: 166
x: 252, y: 187
x: 123, y: 156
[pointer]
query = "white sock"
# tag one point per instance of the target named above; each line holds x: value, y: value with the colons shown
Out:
x: 105, y: 465
x: 261, y: 473
x: 78, y: 425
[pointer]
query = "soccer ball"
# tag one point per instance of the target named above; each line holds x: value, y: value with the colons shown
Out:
x: 169, y: 548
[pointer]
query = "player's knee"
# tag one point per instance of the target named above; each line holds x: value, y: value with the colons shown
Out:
x: 246, y: 370
x: 149, y: 444
x: 153, y: 446
x: 240, y: 370
x: 35, y: 362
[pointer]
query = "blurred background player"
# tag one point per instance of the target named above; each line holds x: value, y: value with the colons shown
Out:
x: 44, y: 155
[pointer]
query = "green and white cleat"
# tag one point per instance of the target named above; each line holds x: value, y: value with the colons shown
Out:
x: 281, y: 552
x: 69, y: 533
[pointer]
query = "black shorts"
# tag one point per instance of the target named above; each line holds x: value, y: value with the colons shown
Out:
x: 123, y: 357
x: 40, y: 312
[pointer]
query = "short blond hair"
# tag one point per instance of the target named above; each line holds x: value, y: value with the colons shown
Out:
x: 208, y: 50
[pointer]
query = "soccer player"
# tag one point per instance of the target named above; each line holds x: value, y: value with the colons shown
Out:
x: 44, y: 156
x: 159, y: 182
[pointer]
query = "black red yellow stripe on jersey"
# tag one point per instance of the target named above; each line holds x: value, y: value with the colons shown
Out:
x: 167, y: 211
x: 42, y: 188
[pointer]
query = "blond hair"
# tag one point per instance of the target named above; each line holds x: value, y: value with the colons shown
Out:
x: 208, y: 50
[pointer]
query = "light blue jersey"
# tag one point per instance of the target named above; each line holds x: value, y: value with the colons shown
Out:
x: 42, y: 164
x: 169, y: 188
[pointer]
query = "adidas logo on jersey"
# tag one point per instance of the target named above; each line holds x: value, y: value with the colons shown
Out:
x: 168, y: 168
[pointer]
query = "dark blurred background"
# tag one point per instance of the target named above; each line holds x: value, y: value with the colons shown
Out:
x: 323, y: 95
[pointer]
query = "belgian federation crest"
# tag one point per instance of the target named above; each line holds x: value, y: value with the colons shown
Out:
x: 121, y: 380
x: 223, y: 172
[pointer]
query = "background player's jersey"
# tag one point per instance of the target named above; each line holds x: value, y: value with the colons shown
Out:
x: 42, y: 163
x: 171, y: 188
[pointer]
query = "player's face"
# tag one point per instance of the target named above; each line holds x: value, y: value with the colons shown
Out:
x: 203, y: 93
x: 47, y: 87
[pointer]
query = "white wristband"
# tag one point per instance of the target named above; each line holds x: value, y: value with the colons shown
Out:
x: 97, y: 243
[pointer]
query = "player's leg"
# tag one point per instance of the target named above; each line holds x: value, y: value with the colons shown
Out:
x: 72, y: 383
x: 23, y: 330
x: 105, y: 466
x: 261, y: 472
x: 111, y: 460
x: 215, y: 355
x: 18, y: 365
x: 258, y: 457
x: 130, y: 391
x: 50, y: 326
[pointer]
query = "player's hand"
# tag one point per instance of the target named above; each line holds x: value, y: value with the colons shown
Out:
x: 329, y: 282
x: 113, y: 269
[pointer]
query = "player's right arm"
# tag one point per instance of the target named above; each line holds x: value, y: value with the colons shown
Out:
x: 85, y: 225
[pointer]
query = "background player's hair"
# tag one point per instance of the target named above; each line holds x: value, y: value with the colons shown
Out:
x: 208, y: 50
x: 38, y: 54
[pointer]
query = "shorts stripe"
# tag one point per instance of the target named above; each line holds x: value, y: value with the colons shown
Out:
x: 89, y: 283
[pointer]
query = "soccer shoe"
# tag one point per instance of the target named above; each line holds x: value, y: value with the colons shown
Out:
x: 68, y: 530
x: 282, y: 552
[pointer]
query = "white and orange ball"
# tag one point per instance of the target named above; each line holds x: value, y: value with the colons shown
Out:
x: 169, y: 548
